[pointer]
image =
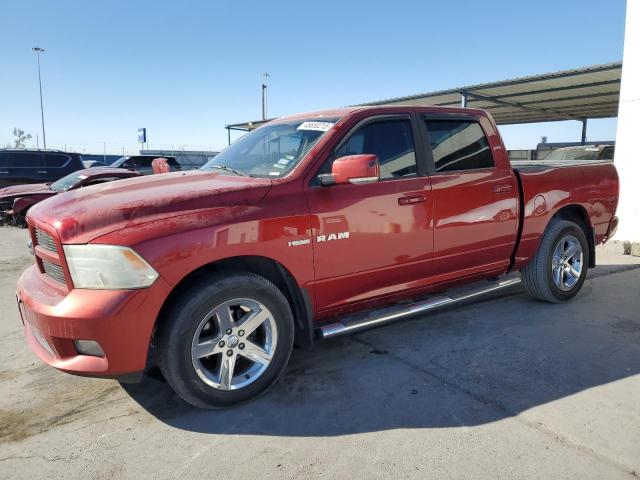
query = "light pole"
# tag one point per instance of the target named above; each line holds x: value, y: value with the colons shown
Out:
x: 264, y: 95
x: 38, y: 51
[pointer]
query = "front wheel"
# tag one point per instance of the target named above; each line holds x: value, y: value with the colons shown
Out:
x: 226, y: 340
x: 558, y: 269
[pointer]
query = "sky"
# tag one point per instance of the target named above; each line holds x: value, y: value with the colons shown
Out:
x: 186, y: 69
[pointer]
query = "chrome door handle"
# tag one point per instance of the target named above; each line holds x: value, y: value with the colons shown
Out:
x: 501, y: 188
x: 411, y: 200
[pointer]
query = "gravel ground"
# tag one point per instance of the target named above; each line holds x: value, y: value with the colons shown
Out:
x: 504, y: 388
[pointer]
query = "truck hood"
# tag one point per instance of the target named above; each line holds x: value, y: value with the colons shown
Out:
x: 81, y: 215
x: 28, y: 189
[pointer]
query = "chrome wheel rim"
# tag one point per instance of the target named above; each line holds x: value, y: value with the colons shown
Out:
x: 567, y: 263
x: 234, y: 344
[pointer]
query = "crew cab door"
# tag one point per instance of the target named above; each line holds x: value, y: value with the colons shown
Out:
x: 372, y: 240
x: 474, y: 194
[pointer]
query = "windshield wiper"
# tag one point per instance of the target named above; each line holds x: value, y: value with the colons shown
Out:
x: 232, y: 170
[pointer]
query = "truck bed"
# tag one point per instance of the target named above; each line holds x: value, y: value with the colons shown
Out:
x: 536, y: 165
x: 548, y: 186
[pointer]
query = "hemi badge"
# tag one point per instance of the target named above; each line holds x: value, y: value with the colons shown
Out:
x: 295, y: 243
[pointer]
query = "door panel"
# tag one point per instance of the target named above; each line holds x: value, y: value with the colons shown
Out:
x: 474, y: 197
x: 376, y: 239
x: 475, y: 221
x: 368, y: 242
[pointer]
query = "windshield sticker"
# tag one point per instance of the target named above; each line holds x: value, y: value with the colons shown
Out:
x: 316, y: 126
x: 591, y: 149
x: 274, y: 173
x: 283, y: 161
x: 275, y: 165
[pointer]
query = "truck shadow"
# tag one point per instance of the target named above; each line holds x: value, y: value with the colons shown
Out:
x: 467, y: 366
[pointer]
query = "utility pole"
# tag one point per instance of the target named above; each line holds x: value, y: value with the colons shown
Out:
x: 264, y: 95
x: 38, y: 51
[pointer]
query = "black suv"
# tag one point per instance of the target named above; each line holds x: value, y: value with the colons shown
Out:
x: 142, y: 163
x: 19, y: 166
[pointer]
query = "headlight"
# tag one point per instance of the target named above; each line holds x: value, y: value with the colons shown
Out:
x: 108, y: 267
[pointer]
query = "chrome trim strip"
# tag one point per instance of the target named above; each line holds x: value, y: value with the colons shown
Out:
x: 361, y: 322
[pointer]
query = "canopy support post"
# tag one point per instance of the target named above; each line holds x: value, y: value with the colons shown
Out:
x: 583, y: 138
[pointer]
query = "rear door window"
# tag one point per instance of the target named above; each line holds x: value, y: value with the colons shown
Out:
x: 458, y: 145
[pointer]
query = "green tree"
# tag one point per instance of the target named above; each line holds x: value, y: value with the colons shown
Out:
x: 20, y: 138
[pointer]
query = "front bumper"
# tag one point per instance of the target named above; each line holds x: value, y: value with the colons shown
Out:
x: 120, y: 321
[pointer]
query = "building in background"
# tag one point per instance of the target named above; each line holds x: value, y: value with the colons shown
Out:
x: 627, y: 157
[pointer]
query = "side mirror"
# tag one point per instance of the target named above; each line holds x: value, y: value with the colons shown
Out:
x: 356, y: 169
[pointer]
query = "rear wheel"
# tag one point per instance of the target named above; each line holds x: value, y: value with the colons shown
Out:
x: 226, y: 340
x: 558, y: 269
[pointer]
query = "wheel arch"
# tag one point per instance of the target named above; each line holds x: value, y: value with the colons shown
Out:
x: 298, y: 297
x: 578, y: 214
x: 22, y: 204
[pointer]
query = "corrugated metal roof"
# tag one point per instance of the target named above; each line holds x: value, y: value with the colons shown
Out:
x: 588, y: 92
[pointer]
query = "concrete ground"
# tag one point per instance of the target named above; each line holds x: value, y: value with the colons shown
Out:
x: 505, y: 388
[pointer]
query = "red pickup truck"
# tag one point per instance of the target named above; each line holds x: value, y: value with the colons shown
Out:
x: 308, y: 227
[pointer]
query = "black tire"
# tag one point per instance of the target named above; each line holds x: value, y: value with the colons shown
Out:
x: 537, y: 276
x: 181, y: 323
x: 20, y: 220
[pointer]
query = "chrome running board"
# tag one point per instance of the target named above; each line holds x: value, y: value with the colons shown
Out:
x: 355, y: 323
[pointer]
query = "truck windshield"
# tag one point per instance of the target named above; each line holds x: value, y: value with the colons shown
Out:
x: 65, y: 183
x: 271, y: 151
x: 575, y: 153
x: 120, y: 161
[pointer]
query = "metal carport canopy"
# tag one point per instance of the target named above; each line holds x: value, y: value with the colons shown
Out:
x: 578, y: 94
x: 589, y: 92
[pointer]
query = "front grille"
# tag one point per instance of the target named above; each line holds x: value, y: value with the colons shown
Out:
x: 45, y: 240
x: 54, y: 271
x: 48, y: 263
